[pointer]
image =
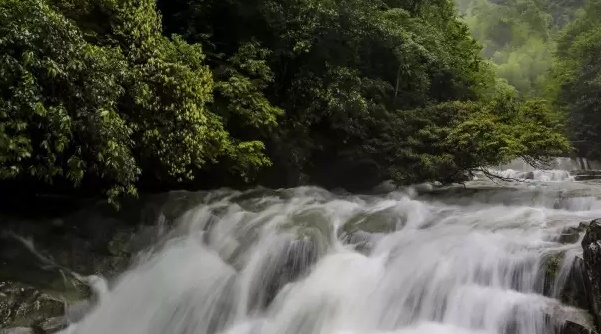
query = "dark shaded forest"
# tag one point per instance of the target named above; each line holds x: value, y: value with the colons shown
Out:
x: 109, y: 98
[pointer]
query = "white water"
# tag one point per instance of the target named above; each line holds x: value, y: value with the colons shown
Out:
x: 307, y: 261
x: 552, y: 175
x: 560, y: 163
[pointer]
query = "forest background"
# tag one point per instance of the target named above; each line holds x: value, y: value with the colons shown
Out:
x: 112, y: 97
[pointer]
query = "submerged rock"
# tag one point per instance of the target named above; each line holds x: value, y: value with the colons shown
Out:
x: 591, y: 246
x: 383, y: 221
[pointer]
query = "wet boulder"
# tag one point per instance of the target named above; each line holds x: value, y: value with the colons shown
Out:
x: 573, y: 292
x: 363, y: 229
x: 383, y: 221
x: 295, y: 262
x: 563, y: 319
x: 24, y: 306
x: 570, y: 235
x: 591, y: 246
x: 570, y: 327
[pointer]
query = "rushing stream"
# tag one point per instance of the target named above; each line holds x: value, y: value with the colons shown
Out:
x: 309, y: 261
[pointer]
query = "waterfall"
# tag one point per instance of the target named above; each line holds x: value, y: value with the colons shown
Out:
x: 307, y: 261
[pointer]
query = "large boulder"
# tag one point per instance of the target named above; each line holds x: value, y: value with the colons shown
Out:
x: 591, y: 246
x: 24, y: 306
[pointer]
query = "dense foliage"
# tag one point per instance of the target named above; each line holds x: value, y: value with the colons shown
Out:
x: 576, y: 82
x: 115, y: 95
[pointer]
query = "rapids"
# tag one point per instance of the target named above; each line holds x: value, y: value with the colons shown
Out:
x: 418, y: 260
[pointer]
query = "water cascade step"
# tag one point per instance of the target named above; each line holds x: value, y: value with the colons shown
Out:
x: 487, y: 258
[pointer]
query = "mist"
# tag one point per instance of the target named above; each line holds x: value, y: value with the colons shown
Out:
x: 519, y: 37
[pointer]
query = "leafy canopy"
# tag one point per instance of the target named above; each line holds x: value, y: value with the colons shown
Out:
x: 113, y: 95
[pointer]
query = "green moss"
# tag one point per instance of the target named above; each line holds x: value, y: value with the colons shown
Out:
x: 552, y: 265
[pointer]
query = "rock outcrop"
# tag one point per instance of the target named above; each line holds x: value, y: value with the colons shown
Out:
x: 585, y: 175
x: 591, y: 246
x: 570, y: 235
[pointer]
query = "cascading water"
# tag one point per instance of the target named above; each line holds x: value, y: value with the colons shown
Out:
x: 308, y: 261
x: 536, y: 175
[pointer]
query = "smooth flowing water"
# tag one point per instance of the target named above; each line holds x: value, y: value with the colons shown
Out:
x: 309, y: 261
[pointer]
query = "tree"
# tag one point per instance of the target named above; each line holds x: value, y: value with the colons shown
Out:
x: 576, y: 80
x: 518, y: 36
x: 107, y: 95
x: 93, y: 92
x: 345, y: 72
x: 58, y: 102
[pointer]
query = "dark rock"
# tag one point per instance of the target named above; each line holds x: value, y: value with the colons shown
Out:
x: 569, y: 327
x: 363, y: 242
x: 294, y: 263
x: 583, y: 175
x: 574, y: 291
x: 363, y: 229
x: 383, y: 221
x: 567, y: 286
x: 591, y: 246
x: 570, y: 235
x: 24, y: 306
x: 52, y: 325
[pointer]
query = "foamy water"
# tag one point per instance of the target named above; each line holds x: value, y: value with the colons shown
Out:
x: 307, y: 261
x: 534, y: 175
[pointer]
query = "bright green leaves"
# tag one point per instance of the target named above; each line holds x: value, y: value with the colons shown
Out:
x: 94, y: 94
x: 122, y: 101
x: 239, y: 89
x: 440, y: 142
x: 59, y: 98
x: 364, y: 80
x: 505, y: 129
x: 169, y: 114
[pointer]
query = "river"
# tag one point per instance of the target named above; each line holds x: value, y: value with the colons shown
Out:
x: 420, y: 260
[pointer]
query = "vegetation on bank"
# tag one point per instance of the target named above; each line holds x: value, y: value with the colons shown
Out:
x: 112, y: 96
x: 576, y: 79
x: 547, y: 48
